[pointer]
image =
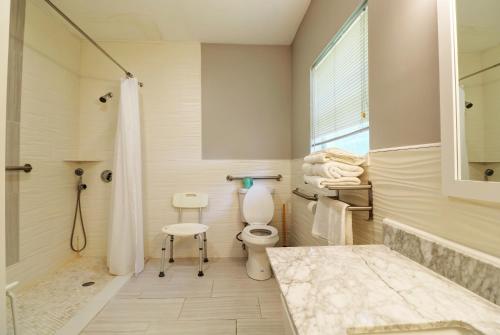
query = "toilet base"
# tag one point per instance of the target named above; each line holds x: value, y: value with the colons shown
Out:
x: 258, y: 266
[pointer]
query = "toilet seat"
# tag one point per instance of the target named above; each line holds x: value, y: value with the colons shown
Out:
x: 258, y: 206
x: 257, y: 209
x: 260, y: 234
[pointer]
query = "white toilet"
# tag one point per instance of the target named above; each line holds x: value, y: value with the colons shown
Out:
x: 257, y: 209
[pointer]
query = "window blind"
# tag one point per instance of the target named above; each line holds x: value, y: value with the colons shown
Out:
x: 339, y: 90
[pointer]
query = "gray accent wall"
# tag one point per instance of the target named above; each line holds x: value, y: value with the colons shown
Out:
x: 403, y: 61
x: 404, y: 73
x: 246, y: 101
x: 320, y: 24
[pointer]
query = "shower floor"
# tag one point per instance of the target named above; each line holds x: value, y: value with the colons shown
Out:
x: 48, y: 304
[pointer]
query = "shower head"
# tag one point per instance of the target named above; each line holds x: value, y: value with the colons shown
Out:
x: 105, y: 97
x: 468, y: 104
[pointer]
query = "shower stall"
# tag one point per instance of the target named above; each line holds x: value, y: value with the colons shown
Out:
x: 57, y: 129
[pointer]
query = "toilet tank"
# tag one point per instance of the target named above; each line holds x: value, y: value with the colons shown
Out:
x: 241, y: 195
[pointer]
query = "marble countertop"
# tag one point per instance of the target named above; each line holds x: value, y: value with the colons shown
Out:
x: 340, y: 289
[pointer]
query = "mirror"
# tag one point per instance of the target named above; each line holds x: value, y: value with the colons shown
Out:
x: 469, y: 89
x: 478, y: 112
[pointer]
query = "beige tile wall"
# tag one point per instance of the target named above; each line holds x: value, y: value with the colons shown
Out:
x: 407, y: 188
x: 171, y: 116
x: 49, y: 108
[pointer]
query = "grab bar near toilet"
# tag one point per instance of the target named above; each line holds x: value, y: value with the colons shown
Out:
x: 277, y: 177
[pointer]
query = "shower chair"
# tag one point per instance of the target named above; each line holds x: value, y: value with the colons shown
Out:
x: 183, y: 201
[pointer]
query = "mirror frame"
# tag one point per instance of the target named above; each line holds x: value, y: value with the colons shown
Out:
x: 450, y: 131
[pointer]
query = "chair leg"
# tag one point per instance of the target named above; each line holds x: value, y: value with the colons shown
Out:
x: 205, y: 251
x: 171, y: 260
x: 200, y: 249
x: 163, y: 250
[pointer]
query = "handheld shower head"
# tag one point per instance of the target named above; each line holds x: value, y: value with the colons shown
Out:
x: 105, y: 97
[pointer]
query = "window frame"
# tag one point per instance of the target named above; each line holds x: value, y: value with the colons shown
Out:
x: 340, y: 33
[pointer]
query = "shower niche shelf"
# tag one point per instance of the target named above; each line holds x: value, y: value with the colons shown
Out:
x: 83, y: 160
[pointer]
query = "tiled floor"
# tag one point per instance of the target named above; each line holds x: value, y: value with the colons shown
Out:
x: 46, y: 305
x: 225, y: 301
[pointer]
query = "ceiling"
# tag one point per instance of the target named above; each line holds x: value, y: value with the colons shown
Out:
x: 208, y: 21
x: 478, y: 24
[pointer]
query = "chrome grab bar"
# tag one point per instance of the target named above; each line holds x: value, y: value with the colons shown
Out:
x: 26, y: 168
x: 231, y: 178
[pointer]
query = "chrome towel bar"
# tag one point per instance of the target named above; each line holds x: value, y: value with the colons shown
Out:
x: 313, y: 197
x: 26, y: 168
x: 351, y: 208
x: 231, y: 178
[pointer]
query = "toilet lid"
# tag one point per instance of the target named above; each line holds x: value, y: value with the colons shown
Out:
x: 258, y: 206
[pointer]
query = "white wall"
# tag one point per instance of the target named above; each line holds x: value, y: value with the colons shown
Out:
x: 172, y: 162
x: 482, y: 120
x: 474, y: 117
x: 49, y: 108
x: 491, y: 96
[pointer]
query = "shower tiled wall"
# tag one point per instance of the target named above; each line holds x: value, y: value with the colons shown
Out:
x: 47, y: 136
x: 15, y: 71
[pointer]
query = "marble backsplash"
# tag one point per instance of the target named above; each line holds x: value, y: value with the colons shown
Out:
x: 475, y: 275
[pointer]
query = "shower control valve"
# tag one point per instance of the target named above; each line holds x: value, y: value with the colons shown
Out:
x: 107, y: 176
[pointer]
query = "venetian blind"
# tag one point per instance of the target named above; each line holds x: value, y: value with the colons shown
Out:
x: 339, y: 88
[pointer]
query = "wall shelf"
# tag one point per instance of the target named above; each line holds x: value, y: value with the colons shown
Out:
x: 82, y: 160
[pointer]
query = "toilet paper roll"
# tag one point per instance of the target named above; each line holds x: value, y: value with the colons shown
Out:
x: 311, y: 207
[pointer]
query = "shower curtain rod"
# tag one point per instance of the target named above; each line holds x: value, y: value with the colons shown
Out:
x: 480, y: 71
x: 91, y: 40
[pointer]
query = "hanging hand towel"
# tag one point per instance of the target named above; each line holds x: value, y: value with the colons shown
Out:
x: 333, y: 222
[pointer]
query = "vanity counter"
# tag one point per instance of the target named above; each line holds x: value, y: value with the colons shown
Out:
x: 338, y: 289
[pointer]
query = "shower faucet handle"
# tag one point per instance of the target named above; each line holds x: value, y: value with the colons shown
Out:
x: 107, y: 176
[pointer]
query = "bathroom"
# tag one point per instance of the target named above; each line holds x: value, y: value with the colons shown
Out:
x: 174, y: 150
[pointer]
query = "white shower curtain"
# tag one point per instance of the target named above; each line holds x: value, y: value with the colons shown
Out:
x: 125, y: 235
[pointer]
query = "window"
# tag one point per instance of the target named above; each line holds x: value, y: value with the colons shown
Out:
x: 339, y: 90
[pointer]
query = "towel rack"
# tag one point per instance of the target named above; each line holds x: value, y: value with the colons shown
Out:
x: 313, y: 197
x: 339, y: 188
x: 231, y: 178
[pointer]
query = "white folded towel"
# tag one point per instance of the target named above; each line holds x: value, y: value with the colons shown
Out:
x: 338, y: 155
x: 321, y: 182
x: 333, y: 222
x: 332, y: 169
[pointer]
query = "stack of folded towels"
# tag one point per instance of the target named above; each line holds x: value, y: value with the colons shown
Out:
x: 332, y: 167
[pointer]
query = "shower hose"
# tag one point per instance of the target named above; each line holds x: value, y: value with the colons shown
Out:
x: 78, y: 211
